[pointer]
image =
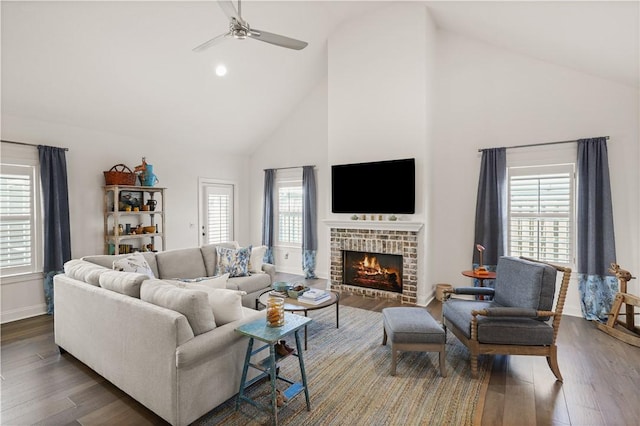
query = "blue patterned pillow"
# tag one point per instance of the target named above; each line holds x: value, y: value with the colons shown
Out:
x: 234, y: 262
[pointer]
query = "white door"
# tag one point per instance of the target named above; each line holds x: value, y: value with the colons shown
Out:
x: 216, y: 216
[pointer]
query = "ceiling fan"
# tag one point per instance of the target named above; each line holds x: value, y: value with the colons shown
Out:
x: 239, y: 28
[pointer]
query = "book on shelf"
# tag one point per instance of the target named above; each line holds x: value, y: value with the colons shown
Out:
x: 316, y: 301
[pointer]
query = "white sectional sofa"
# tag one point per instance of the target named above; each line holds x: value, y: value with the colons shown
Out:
x: 149, y: 351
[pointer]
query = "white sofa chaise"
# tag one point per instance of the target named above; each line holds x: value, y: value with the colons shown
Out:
x: 149, y: 351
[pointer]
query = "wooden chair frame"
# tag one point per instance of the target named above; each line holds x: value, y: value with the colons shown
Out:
x: 549, y: 351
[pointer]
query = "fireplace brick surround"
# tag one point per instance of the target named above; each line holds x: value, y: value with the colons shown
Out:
x: 399, y: 238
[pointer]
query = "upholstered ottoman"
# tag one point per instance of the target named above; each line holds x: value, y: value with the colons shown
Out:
x: 413, y: 329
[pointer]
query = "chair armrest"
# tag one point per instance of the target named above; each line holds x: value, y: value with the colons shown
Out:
x: 474, y: 291
x: 512, y: 312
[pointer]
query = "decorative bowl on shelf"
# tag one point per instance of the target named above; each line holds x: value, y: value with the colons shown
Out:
x: 149, y: 229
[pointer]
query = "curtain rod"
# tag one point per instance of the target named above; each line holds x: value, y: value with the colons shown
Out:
x: 292, y: 167
x: 539, y: 144
x: 29, y: 144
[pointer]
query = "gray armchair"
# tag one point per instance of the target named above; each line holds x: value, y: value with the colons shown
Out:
x: 518, y: 320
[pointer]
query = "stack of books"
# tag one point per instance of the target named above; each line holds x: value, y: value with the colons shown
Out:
x: 314, y: 297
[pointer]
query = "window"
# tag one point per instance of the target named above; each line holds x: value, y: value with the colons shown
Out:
x: 289, y: 209
x: 19, y: 227
x: 541, y: 206
x: 216, y: 219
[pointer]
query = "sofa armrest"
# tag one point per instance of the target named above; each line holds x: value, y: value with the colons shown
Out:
x: 210, y: 344
x: 271, y: 270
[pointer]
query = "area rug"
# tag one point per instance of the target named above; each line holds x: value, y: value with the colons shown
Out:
x: 349, y: 382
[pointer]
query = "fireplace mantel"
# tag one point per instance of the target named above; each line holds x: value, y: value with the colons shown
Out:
x: 388, y: 225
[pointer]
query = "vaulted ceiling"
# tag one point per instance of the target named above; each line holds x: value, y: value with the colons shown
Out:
x: 128, y: 67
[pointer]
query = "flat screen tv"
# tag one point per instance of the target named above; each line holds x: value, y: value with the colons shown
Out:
x: 376, y: 187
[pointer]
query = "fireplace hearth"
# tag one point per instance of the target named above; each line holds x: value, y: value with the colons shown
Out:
x: 377, y: 239
x: 373, y: 270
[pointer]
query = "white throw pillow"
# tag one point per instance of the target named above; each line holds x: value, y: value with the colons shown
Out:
x: 133, y: 263
x: 190, y: 303
x: 257, y: 259
x: 215, y: 282
x: 226, y: 305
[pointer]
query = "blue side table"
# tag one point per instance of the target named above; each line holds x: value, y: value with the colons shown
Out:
x: 271, y: 335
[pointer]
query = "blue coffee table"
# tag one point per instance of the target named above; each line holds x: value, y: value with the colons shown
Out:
x: 258, y: 330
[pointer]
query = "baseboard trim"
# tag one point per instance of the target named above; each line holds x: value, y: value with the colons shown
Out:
x: 23, y: 313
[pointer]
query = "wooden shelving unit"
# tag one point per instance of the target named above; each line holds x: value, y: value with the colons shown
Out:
x: 115, y: 215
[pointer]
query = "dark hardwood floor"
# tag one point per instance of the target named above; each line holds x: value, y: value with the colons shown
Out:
x: 601, y: 386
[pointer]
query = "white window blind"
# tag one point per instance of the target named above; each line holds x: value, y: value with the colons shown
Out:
x: 290, y: 213
x: 541, y: 213
x: 17, y: 219
x: 218, y: 213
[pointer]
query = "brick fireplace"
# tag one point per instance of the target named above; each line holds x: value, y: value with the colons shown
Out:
x: 376, y: 238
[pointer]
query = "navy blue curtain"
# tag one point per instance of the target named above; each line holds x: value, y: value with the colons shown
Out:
x: 596, y: 239
x: 268, y: 214
x: 309, y: 222
x: 491, y: 209
x: 55, y: 202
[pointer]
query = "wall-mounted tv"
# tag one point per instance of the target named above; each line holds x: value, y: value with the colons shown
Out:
x: 376, y: 187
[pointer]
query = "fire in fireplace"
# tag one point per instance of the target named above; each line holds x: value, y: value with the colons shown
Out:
x: 372, y: 270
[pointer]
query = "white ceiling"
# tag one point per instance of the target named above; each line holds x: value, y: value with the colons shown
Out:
x: 127, y: 67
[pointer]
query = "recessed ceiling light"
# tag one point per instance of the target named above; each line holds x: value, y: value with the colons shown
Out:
x: 221, y: 70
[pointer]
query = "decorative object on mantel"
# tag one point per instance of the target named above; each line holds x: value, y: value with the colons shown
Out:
x: 354, y: 217
x: 393, y: 218
x: 145, y: 172
x: 481, y: 269
x: 119, y: 175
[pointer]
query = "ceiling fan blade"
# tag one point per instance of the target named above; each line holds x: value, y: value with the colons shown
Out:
x: 278, y: 40
x: 230, y: 10
x: 211, y: 42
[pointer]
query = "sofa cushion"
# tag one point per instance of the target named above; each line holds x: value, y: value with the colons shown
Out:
x: 257, y: 259
x: 210, y: 257
x: 84, y: 271
x: 181, y: 263
x: 250, y: 284
x: 524, y: 284
x: 193, y: 304
x: 133, y: 263
x: 107, y: 260
x: 127, y: 283
x: 235, y: 262
x: 226, y: 305
x: 215, y: 282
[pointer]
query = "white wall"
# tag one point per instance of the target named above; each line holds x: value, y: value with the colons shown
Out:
x: 489, y: 97
x: 380, y: 80
x: 301, y: 140
x: 90, y: 153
